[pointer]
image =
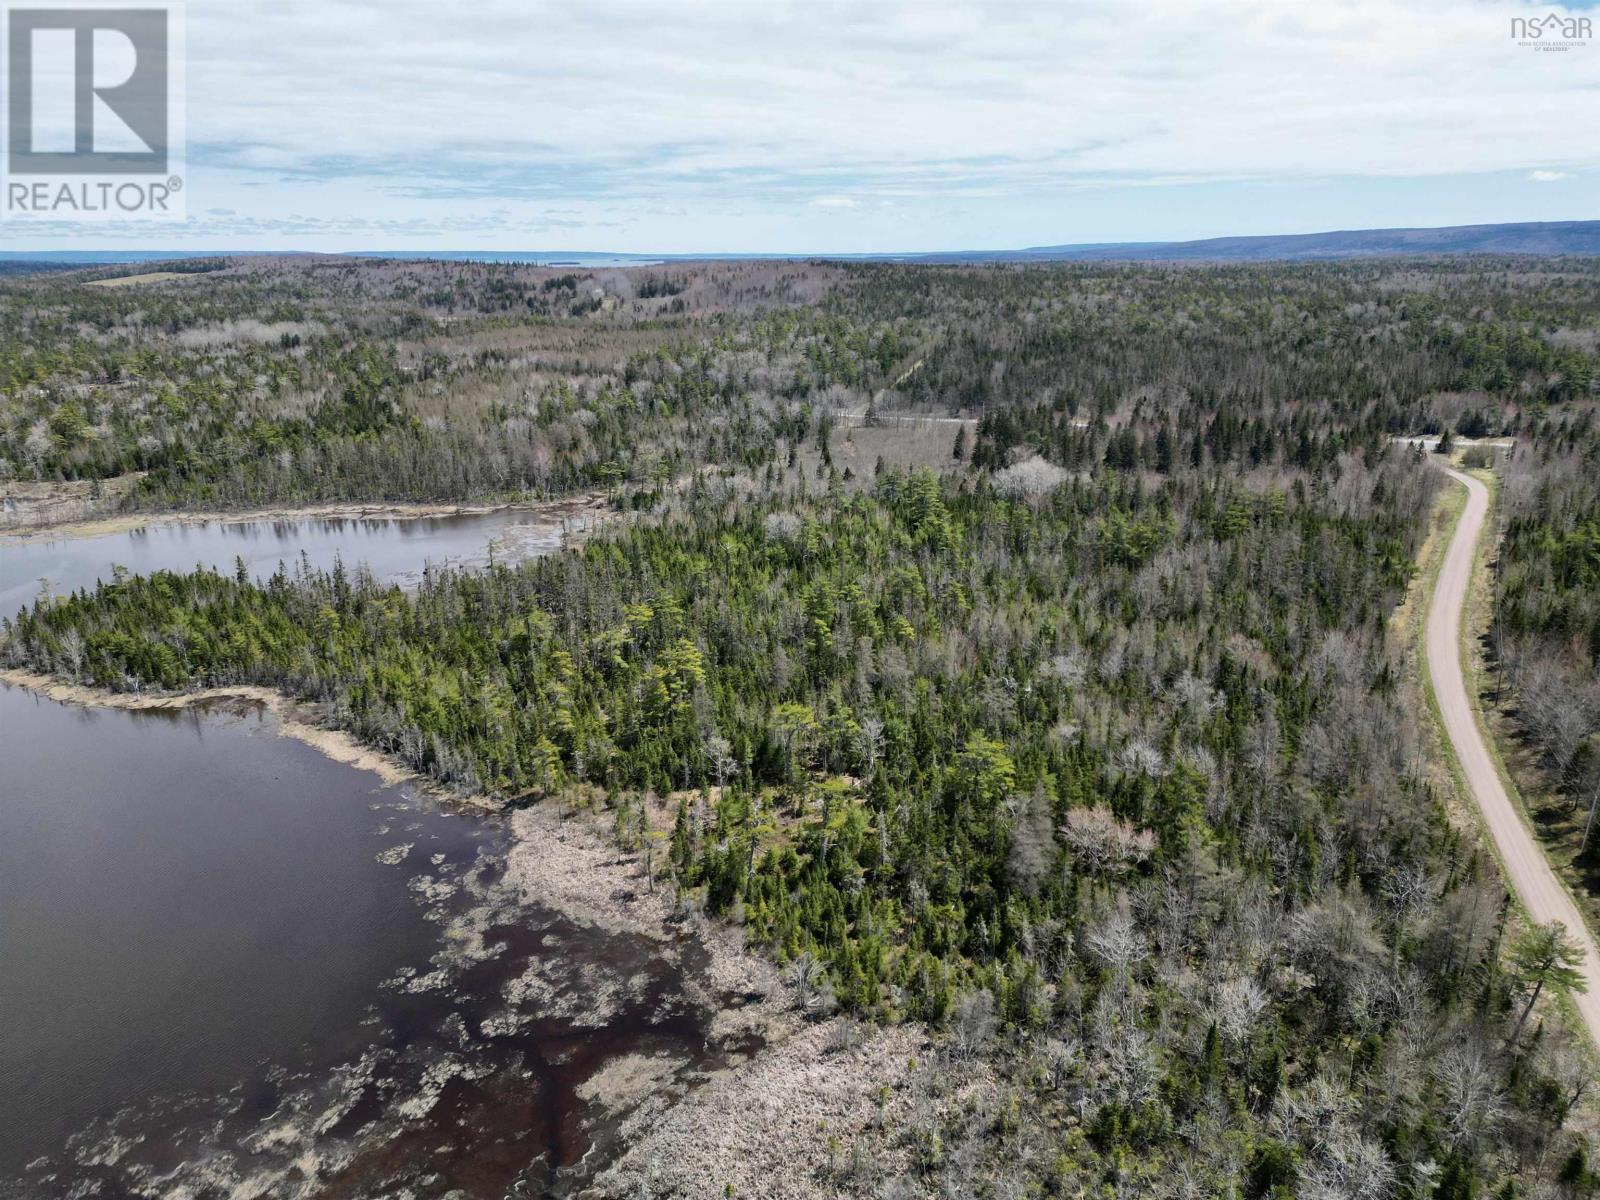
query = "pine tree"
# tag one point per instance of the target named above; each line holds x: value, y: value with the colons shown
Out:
x: 1546, y: 956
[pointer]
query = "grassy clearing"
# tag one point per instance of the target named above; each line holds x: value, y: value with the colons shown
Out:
x: 902, y: 442
x: 147, y: 277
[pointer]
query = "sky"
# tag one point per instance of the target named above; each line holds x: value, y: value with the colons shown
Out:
x: 867, y: 127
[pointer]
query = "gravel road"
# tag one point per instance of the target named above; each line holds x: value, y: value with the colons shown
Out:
x: 1542, y: 893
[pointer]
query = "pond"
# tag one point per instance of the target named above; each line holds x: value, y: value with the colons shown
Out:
x: 231, y: 965
x: 392, y: 548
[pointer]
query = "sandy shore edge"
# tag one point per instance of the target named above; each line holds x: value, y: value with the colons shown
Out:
x: 779, y: 1124
x: 294, y: 718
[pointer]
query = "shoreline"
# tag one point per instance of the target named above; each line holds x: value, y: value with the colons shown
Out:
x: 295, y: 719
x: 570, y: 862
x: 816, y: 1081
x: 105, y: 526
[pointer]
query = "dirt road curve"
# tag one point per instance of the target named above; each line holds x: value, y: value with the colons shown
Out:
x: 1542, y: 894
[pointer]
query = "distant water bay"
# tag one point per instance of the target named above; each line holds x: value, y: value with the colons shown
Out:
x: 392, y: 548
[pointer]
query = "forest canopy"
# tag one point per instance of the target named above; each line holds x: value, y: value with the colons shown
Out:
x: 1010, y: 650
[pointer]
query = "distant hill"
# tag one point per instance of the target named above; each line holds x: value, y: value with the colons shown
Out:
x: 1531, y: 237
x: 37, y: 262
x: 12, y: 266
x: 1544, y: 238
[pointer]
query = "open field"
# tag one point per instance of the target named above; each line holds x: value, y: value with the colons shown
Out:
x: 147, y: 277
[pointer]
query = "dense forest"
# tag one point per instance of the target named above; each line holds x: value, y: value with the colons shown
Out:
x: 281, y: 380
x: 1088, y: 741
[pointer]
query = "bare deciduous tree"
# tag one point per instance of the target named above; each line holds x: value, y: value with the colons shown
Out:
x: 972, y: 1023
x: 1102, y: 843
x: 1470, y: 1092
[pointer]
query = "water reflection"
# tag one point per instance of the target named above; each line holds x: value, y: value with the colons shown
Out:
x: 392, y: 548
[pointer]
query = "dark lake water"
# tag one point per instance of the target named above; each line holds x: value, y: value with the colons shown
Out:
x: 118, y: 830
x: 232, y: 966
x: 392, y: 548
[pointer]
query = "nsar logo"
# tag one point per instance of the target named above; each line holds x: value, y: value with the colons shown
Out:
x: 1553, y: 31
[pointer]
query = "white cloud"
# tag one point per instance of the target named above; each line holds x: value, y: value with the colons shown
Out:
x: 1548, y: 176
x: 594, y: 114
x: 957, y: 91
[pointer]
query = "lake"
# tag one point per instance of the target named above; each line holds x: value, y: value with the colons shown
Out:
x: 229, y: 962
x: 232, y: 966
x: 394, y: 549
